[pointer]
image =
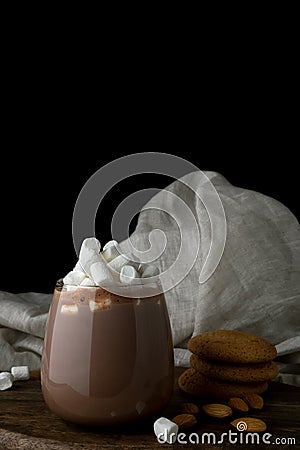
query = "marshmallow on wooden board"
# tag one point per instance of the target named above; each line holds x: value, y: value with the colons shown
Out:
x: 20, y: 373
x: 74, y: 277
x: 101, y: 273
x: 165, y: 430
x: 128, y: 274
x: 110, y: 251
x: 6, y: 380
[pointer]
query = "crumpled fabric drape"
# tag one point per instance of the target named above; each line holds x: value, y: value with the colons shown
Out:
x: 255, y: 288
x: 22, y: 327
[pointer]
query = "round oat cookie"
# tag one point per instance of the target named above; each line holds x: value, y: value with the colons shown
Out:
x: 232, y: 346
x: 193, y: 382
x: 241, y: 373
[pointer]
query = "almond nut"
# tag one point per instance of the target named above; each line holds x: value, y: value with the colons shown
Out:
x: 238, y: 404
x: 249, y: 424
x: 254, y: 401
x: 189, y: 408
x: 185, y: 421
x: 217, y: 410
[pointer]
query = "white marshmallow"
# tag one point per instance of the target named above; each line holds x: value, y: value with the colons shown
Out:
x: 100, y: 306
x: 100, y: 273
x: 69, y: 309
x: 74, y: 277
x: 94, y: 268
x: 20, y: 373
x: 165, y: 430
x: 6, y: 380
x: 70, y: 287
x: 148, y: 270
x: 128, y: 274
x: 94, y: 306
x: 117, y: 263
x: 88, y: 258
x: 90, y: 244
x: 110, y: 251
x: 87, y: 282
x: 78, y: 266
x: 89, y: 254
x: 109, y: 244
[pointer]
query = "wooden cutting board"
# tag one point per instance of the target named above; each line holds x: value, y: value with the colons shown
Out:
x: 27, y: 423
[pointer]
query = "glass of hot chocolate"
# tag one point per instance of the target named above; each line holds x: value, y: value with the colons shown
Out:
x: 108, y: 357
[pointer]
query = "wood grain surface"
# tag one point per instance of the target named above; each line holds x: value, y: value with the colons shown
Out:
x: 27, y: 423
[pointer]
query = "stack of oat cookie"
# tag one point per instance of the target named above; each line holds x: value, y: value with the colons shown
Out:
x: 227, y: 364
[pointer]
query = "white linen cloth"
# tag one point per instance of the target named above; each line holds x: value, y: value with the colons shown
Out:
x: 22, y: 327
x: 255, y: 288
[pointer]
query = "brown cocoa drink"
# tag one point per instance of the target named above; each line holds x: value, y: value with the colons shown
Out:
x: 107, y: 359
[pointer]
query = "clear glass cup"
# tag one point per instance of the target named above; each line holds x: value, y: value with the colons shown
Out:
x: 107, y: 358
